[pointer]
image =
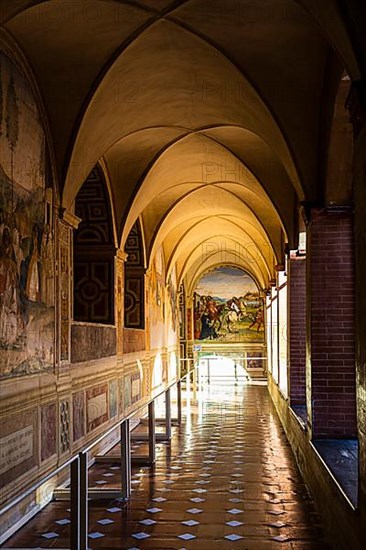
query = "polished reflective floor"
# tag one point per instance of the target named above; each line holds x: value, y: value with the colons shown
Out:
x: 227, y: 480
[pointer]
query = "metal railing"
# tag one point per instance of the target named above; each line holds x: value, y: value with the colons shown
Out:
x: 79, y: 464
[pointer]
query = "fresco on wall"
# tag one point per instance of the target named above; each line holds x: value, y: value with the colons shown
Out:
x: 157, y: 309
x: 26, y: 237
x: 156, y: 299
x: 254, y: 360
x: 182, y: 310
x: 173, y: 301
x: 228, y: 308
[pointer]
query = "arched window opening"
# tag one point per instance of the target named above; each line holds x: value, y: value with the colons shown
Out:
x: 94, y: 252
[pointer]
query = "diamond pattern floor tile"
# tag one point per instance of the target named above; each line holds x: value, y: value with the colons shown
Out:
x: 140, y: 536
x: 50, y: 535
x: 148, y: 522
x: 238, y: 447
x: 96, y: 535
x: 233, y: 537
x: 190, y: 522
x: 187, y: 536
x: 105, y: 521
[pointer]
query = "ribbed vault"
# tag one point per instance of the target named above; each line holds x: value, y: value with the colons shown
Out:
x: 205, y: 116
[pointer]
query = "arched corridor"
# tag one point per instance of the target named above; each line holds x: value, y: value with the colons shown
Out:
x: 227, y: 478
x: 182, y: 202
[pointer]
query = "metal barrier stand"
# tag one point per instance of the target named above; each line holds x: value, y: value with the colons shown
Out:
x: 79, y: 493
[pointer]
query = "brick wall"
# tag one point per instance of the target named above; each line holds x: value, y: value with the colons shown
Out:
x: 297, y: 330
x: 332, y: 324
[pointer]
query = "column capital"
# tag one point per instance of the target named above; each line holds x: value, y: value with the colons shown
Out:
x: 294, y: 256
x: 69, y: 218
x: 121, y: 254
x: 330, y: 211
x: 310, y: 210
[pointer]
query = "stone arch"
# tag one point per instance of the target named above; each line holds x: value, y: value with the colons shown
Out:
x: 339, y: 172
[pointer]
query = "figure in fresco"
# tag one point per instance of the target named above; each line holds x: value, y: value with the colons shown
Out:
x: 259, y: 320
x: 215, y: 313
x: 33, y: 285
x: 231, y: 317
x: 2, y: 224
x: 18, y: 251
x: 9, y: 304
x: 157, y: 293
x: 26, y: 243
x: 47, y: 267
x: 207, y: 330
x: 197, y: 322
x: 173, y: 299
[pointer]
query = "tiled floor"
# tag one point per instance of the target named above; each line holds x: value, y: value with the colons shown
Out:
x: 227, y: 480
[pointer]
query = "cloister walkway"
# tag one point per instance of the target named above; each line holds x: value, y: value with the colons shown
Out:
x: 227, y: 479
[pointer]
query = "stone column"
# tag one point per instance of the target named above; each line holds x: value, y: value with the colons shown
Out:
x: 189, y: 319
x: 67, y: 222
x: 330, y: 354
x: 120, y: 259
x: 357, y: 107
x: 190, y: 327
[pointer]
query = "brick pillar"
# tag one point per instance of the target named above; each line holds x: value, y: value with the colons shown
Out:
x: 331, y: 389
x: 297, y: 329
x: 356, y: 104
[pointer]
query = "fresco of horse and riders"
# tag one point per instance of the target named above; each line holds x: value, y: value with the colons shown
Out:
x: 228, y: 307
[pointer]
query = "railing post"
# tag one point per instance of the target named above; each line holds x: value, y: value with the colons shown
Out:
x: 152, y: 432
x: 168, y: 415
x: 75, y: 505
x: 125, y: 444
x: 194, y: 376
x: 83, y: 462
x: 179, y: 402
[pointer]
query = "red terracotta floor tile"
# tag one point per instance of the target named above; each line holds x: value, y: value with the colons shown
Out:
x: 227, y: 480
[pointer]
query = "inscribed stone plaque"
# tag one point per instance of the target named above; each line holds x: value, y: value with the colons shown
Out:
x: 97, y: 406
x: 18, y: 446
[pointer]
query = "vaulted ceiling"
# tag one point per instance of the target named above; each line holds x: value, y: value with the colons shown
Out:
x: 207, y: 116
